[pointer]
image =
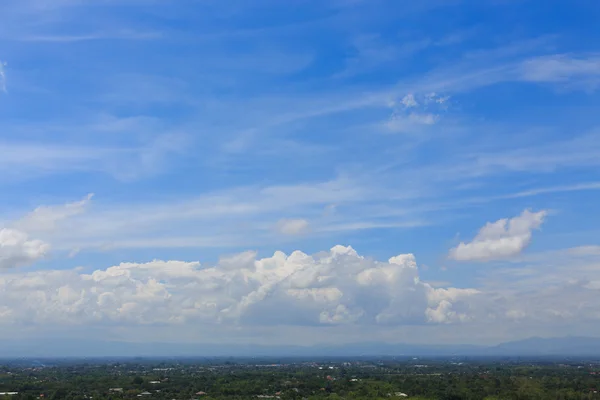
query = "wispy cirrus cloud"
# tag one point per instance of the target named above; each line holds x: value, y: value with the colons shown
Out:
x: 126, y: 148
x: 82, y: 37
x: 26, y: 161
x: 46, y: 218
x: 293, y: 226
x: 580, y: 71
x: 237, y: 217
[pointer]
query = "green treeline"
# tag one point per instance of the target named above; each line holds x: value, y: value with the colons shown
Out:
x: 358, y: 380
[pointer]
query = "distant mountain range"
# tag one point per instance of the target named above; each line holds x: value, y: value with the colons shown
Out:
x: 532, y: 347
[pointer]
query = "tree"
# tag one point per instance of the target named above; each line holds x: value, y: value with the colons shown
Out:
x: 137, y: 380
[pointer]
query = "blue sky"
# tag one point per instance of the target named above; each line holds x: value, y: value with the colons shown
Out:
x: 155, y: 157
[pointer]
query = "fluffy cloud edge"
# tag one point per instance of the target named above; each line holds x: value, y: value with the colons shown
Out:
x: 17, y: 249
x: 335, y: 287
x: 501, y: 239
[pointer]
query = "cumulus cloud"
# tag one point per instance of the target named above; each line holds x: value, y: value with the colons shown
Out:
x: 16, y: 249
x: 330, y: 288
x: 501, y: 239
x: 293, y: 226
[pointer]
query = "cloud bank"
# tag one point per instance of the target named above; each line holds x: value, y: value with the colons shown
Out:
x: 330, y: 288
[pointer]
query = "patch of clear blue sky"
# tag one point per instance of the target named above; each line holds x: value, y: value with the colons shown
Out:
x: 194, y: 97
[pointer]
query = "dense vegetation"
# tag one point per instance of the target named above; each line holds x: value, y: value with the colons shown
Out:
x: 293, y: 379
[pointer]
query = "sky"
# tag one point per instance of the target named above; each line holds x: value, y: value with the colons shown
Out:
x: 300, y: 172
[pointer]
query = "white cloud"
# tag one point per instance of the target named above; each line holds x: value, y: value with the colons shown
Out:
x: 425, y: 119
x: 411, y: 123
x: 336, y: 288
x: 46, y: 218
x: 501, y: 239
x: 16, y: 247
x: 434, y: 98
x: 293, y: 226
x: 560, y: 68
x: 409, y: 101
x: 415, y: 112
x: 551, y: 291
x: 239, y: 217
x: 17, y: 250
x: 585, y: 251
x: 429, y: 101
x: 73, y: 253
x: 329, y: 288
x: 444, y: 313
x: 116, y: 35
x: 147, y: 150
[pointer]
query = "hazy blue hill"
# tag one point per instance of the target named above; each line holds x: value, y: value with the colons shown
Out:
x: 564, y: 346
x: 570, y: 345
